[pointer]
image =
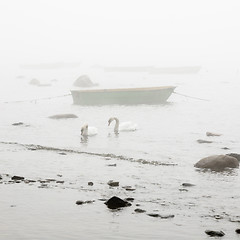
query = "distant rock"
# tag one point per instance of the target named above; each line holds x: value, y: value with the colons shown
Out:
x: 35, y: 82
x: 210, y: 134
x: 17, y: 123
x: 63, y: 116
x: 217, y: 162
x: 203, y: 141
x: 116, y: 202
x: 84, y: 81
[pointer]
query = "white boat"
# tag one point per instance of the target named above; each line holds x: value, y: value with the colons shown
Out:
x: 122, y: 96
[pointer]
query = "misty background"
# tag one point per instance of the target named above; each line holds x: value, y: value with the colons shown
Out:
x: 162, y: 33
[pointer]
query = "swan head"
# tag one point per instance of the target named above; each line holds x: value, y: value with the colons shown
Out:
x: 84, y: 129
x: 110, y: 120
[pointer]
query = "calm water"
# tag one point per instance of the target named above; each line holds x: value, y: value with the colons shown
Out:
x: 166, y: 133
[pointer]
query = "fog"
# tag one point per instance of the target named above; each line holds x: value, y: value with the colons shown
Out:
x: 136, y: 32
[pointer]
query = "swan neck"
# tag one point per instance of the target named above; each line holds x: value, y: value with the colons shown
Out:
x: 116, y: 125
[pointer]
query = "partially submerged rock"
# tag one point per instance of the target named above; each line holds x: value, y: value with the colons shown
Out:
x: 215, y: 233
x: 116, y: 202
x: 63, y: 116
x: 203, y: 141
x: 161, y: 216
x: 18, y: 124
x: 218, y: 162
x: 84, y: 81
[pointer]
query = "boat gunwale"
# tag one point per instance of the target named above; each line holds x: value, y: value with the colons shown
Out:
x: 125, y: 89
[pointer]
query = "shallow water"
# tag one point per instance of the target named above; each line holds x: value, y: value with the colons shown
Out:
x: 167, y: 134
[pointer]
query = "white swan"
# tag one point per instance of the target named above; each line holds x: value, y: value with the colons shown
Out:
x: 124, y: 126
x: 88, y: 131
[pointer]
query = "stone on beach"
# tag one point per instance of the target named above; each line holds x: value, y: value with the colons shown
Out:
x: 116, y: 202
x: 217, y: 162
x: 17, y: 178
x: 215, y: 233
x: 111, y: 183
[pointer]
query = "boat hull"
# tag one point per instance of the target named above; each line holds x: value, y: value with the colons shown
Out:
x: 127, y: 96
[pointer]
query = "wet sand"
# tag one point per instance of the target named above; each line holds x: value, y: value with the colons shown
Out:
x: 45, y: 208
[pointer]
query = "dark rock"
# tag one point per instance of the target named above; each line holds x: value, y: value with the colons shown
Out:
x: 160, y: 216
x: 217, y: 162
x: 63, y: 116
x: 62, y: 153
x: 112, y: 165
x: 90, y: 183
x: 130, y: 189
x: 59, y: 181
x: 188, y: 185
x: 129, y: 199
x: 203, y: 141
x: 235, y: 155
x: 17, y: 178
x: 59, y: 175
x: 153, y: 215
x: 84, y: 81
x: 237, y: 230
x: 215, y: 233
x: 183, y: 190
x: 113, y: 184
x: 139, y: 210
x: 79, y: 202
x: 225, y: 148
x: 29, y: 181
x: 210, y: 134
x: 18, y: 124
x: 50, y: 180
x: 116, y: 202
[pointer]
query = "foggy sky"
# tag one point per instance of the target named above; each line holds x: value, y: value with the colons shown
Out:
x: 161, y: 32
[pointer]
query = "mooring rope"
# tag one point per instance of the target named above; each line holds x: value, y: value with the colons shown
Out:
x: 190, y: 96
x: 37, y: 99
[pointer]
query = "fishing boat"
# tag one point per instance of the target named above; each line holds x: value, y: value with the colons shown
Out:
x: 122, y: 96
